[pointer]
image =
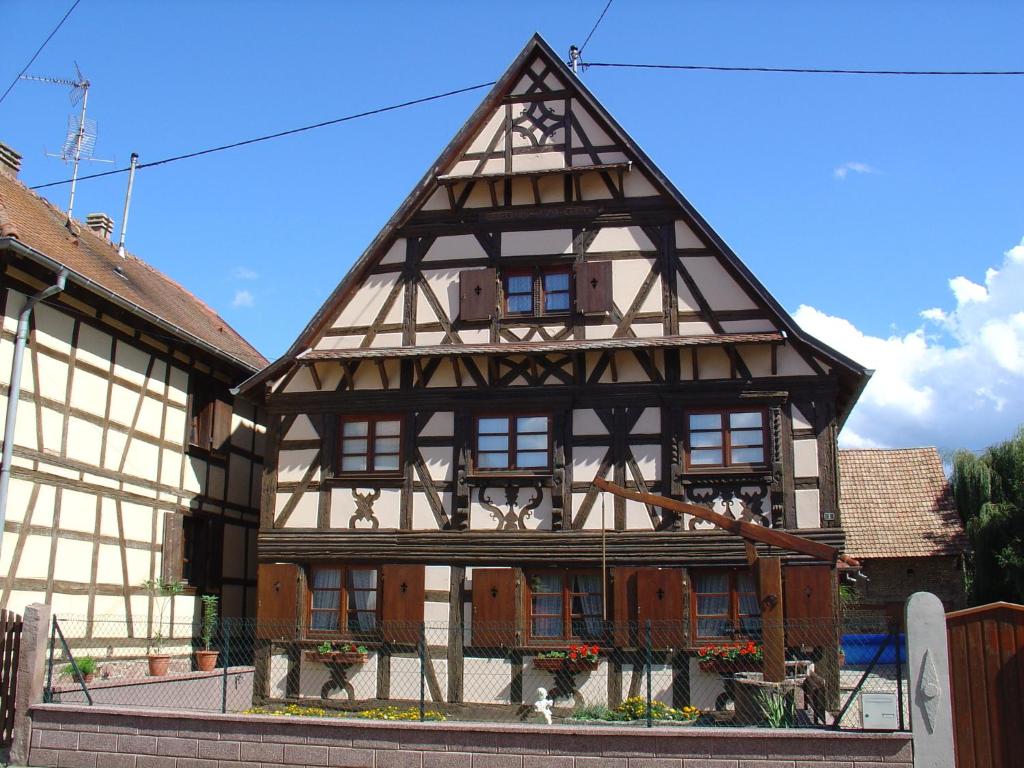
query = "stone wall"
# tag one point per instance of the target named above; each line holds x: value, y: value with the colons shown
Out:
x: 893, y: 580
x: 97, y: 737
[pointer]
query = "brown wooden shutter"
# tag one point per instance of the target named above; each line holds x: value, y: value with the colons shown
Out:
x: 477, y: 296
x: 494, y: 607
x: 659, y: 599
x: 624, y: 607
x: 808, y: 599
x: 220, y: 429
x: 171, y: 548
x: 401, y: 601
x: 277, y: 601
x: 594, y: 287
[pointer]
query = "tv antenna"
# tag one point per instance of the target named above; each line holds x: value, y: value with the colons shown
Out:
x: 81, y: 136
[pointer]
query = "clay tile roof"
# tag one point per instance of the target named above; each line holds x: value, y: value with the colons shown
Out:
x: 897, y: 503
x: 36, y: 223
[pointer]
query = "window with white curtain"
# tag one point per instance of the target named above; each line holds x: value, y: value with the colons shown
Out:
x: 725, y: 604
x: 565, y: 605
x: 343, y: 599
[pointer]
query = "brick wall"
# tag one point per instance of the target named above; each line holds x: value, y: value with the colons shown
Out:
x: 96, y: 737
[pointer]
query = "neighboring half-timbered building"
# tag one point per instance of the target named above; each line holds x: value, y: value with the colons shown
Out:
x: 131, y: 459
x: 544, y: 309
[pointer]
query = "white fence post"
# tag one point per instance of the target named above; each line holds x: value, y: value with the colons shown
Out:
x: 931, y: 701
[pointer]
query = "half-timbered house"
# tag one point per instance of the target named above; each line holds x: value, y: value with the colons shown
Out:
x: 544, y: 309
x: 131, y: 459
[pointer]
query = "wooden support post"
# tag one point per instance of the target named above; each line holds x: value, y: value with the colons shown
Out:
x: 769, y: 580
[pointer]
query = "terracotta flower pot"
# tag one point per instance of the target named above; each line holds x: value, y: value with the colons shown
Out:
x: 158, y: 663
x: 206, y: 660
x: 337, y: 657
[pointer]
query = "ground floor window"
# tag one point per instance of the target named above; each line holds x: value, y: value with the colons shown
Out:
x: 343, y: 599
x: 564, y: 605
x: 724, y: 604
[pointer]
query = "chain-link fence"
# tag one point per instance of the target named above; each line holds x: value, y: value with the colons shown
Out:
x: 848, y: 674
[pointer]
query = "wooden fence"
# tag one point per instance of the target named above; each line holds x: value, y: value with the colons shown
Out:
x: 10, y: 645
x: 986, y: 664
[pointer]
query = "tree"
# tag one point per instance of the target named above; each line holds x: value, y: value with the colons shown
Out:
x: 989, y: 494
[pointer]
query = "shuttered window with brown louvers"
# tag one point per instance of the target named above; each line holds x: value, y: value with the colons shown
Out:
x: 659, y: 599
x: 402, y: 596
x: 277, y: 601
x: 808, y: 599
x: 594, y: 287
x: 172, y: 551
x: 477, y: 294
x: 494, y: 607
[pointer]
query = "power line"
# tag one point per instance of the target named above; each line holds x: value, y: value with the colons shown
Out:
x: 39, y: 50
x: 811, y: 70
x: 270, y: 136
x: 596, y: 25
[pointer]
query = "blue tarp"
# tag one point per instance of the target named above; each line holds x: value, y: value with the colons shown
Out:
x: 861, y: 649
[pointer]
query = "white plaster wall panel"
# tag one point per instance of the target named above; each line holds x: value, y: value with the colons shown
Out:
x: 705, y: 687
x: 150, y: 417
x: 56, y: 469
x: 303, y: 515
x: 438, y: 577
x: 649, y: 422
x: 592, y: 686
x: 35, y: 558
x: 585, y: 462
x: 116, y: 442
x: 621, y: 239
x: 130, y: 363
x: 463, y: 168
x: 719, y: 288
x: 593, y: 187
x: 438, y: 201
x: 440, y: 424
x: 713, y: 363
x: 53, y: 427
x: 758, y: 358
x: 445, y: 285
x: 475, y: 336
x: 423, y: 515
x: 439, y: 462
x: 405, y: 678
x: 68, y: 605
x: 748, y: 326
x: 170, y: 468
x: 661, y: 682
x: 364, y: 305
x: 313, y: 675
x: 238, y: 480
x: 595, y: 133
x: 648, y: 459
x: 684, y: 296
x: 603, y: 331
x: 627, y: 368
x: 539, y: 242
x: 480, y: 196
x: 335, y: 342
x: 444, y: 376
x: 628, y: 277
x: 647, y: 329
x: 552, y: 189
x: 695, y: 328
x: 483, y: 139
x: 386, y: 340
x: 73, y: 557
x: 302, y: 381
x: 108, y: 566
x: 302, y: 429
x: 94, y: 346
x: 491, y: 681
x: 686, y: 237
x: 215, y: 482
x: 279, y: 666
x: 435, y: 616
x: 368, y: 375
x: 77, y: 511
x: 522, y: 192
x: 638, y: 185
x: 467, y: 620
x: 122, y: 404
x: 101, y: 480
x: 177, y: 389
x: 142, y: 459
x: 88, y: 391
x: 108, y: 518
x: 19, y: 495
x: 157, y: 382
x: 386, y: 508
x: 791, y: 363
x: 808, y: 508
x: 537, y: 161
x: 83, y: 439
x: 805, y: 458
x: 53, y: 376
x: 585, y: 421
x: 292, y: 465
x: 53, y: 328
x: 482, y: 519
x: 455, y: 247
x: 637, y: 516
x: 552, y: 81
x: 395, y: 255
x: 800, y: 419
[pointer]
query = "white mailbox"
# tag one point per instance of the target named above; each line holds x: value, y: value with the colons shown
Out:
x: 878, y: 711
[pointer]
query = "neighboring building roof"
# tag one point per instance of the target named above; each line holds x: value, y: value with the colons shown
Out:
x: 34, y: 222
x: 897, y: 503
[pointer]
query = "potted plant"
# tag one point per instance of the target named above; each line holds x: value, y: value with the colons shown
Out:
x: 162, y: 592
x: 730, y: 657
x: 86, y: 669
x: 345, y: 653
x: 206, y: 659
x: 577, y: 658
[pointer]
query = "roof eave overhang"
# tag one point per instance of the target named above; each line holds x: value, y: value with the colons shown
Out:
x: 42, y: 259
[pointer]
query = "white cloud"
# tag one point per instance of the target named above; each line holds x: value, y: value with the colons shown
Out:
x: 243, y: 299
x: 956, y: 381
x: 844, y: 170
x: 244, y: 273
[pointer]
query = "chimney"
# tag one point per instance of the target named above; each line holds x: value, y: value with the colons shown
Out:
x: 101, y: 224
x: 10, y: 161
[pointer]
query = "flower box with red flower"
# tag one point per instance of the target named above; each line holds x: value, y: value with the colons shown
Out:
x: 578, y: 658
x: 346, y: 654
x: 730, y: 658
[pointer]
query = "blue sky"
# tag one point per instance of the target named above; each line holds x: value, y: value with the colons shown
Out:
x: 931, y: 190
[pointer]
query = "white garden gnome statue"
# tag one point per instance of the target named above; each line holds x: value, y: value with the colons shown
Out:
x: 543, y: 704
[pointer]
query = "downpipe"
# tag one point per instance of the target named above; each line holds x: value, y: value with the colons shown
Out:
x: 14, y: 390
